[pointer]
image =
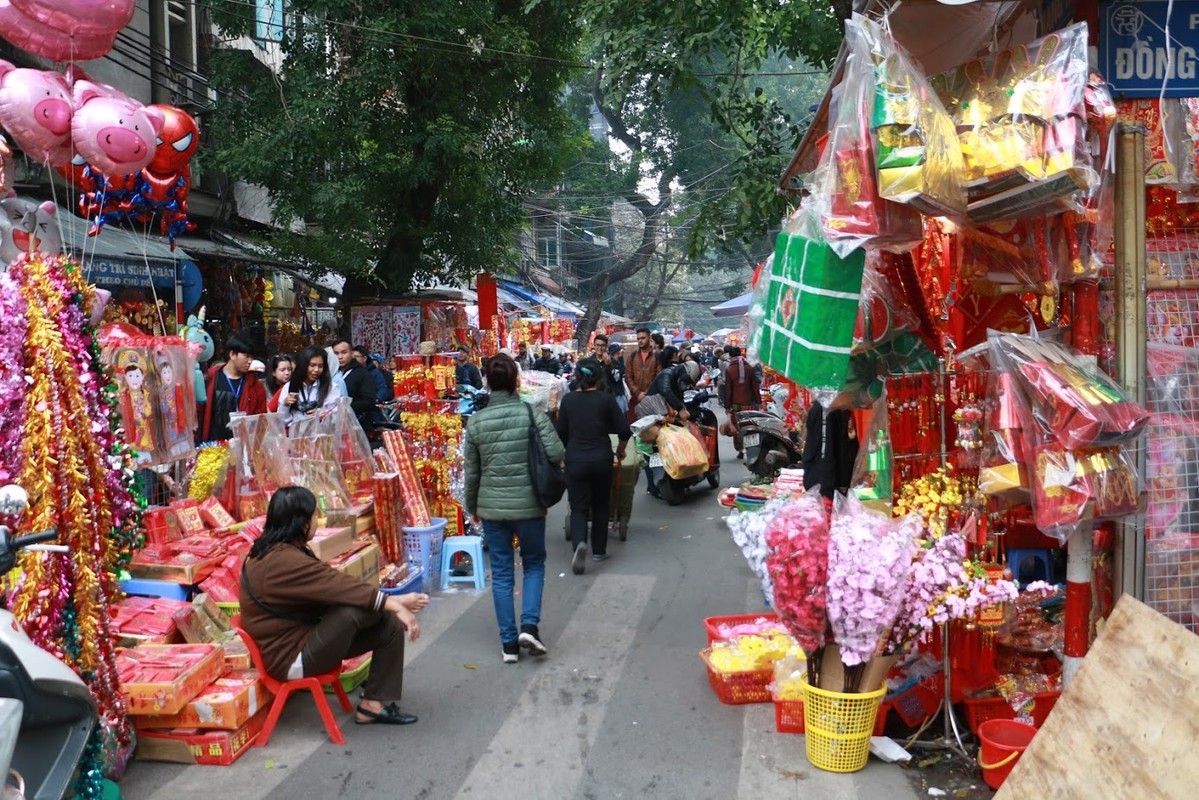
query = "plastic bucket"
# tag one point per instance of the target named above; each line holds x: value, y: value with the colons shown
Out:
x: 1001, y: 743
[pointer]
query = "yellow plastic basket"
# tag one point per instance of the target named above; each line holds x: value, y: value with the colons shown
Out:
x: 838, y: 727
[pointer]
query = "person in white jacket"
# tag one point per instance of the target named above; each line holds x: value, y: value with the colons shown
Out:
x: 311, y: 387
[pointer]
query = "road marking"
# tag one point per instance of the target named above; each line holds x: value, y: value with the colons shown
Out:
x: 563, y: 707
x: 290, y: 745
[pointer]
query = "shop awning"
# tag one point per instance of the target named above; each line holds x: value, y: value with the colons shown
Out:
x: 562, y: 308
x: 116, y: 257
x: 732, y: 308
x: 245, y: 249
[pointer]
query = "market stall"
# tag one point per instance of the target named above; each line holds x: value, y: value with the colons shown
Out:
x: 939, y: 281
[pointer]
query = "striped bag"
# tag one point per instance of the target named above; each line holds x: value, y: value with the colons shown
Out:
x: 809, y: 310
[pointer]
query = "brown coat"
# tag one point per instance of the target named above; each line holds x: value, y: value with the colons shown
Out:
x: 741, y: 384
x: 639, y: 375
x: 290, y: 579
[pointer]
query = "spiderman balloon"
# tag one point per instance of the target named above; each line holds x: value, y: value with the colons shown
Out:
x: 164, y: 183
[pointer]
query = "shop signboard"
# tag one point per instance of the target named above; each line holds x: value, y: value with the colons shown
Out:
x: 115, y: 272
x: 1137, y: 56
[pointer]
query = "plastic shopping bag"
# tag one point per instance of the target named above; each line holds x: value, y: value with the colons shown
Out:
x: 682, y: 454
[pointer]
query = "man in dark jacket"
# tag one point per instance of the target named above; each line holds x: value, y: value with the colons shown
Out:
x: 231, y: 388
x: 383, y: 391
x: 547, y: 362
x: 465, y: 372
x: 360, y: 386
x: 741, y: 391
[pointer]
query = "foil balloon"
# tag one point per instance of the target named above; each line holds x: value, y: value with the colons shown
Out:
x: 166, y: 180
x: 36, y: 110
x: 46, y: 236
x: 114, y: 133
x: 29, y: 227
x: 40, y: 39
x: 79, y: 16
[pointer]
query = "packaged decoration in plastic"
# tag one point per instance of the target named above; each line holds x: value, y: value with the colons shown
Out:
x: 872, y: 474
x: 154, y: 395
x: 918, y: 158
x: 683, y: 456
x: 1073, y: 486
x: 1021, y: 122
x: 1004, y: 474
x: 1071, y: 399
x: 852, y: 213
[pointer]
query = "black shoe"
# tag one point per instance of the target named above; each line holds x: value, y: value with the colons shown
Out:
x: 740, y: 455
x: 576, y: 564
x: 530, y: 640
x: 511, y: 652
x: 390, y: 715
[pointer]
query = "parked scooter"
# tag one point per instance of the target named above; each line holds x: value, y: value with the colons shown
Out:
x: 670, y: 489
x: 767, y: 442
x: 59, y: 710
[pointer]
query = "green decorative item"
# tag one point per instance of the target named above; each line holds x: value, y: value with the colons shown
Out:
x: 809, y: 310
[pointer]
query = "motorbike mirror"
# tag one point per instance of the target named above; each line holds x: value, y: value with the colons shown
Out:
x: 13, y: 500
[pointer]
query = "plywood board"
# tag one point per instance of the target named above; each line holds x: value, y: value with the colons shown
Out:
x: 1127, y: 725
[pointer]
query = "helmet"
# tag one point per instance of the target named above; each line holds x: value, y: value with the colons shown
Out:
x: 692, y: 370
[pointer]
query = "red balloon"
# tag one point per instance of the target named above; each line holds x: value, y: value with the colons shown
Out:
x: 177, y: 142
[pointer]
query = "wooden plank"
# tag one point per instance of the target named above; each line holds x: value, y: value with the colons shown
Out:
x: 1127, y: 725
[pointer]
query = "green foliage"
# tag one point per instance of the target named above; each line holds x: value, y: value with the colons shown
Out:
x: 407, y: 133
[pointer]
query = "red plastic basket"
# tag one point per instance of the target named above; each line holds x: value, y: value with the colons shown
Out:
x: 979, y: 710
x: 712, y: 624
x: 738, y: 688
x: 788, y: 716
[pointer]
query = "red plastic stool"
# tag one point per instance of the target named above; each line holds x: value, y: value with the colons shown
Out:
x: 283, y: 689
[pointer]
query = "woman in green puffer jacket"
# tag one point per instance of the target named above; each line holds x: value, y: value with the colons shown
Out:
x: 499, y: 493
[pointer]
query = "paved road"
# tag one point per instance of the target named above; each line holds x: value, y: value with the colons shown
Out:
x: 621, y: 707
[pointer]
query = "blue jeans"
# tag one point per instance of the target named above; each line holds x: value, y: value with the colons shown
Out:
x: 531, y: 533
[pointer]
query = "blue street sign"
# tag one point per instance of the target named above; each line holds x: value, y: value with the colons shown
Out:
x: 1133, y: 49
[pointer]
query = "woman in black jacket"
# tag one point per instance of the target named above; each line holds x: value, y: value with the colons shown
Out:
x: 587, y: 418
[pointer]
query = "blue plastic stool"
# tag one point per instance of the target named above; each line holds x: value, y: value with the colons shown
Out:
x: 1017, y: 558
x: 473, y: 547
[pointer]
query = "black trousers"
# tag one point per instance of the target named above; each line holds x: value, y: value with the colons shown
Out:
x: 345, y: 632
x: 588, y: 485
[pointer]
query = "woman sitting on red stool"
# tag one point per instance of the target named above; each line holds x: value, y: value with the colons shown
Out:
x: 306, y: 617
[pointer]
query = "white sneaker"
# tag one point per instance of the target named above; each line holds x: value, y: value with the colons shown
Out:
x: 511, y: 652
x: 530, y: 639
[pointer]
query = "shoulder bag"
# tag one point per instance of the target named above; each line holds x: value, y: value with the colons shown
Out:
x: 549, y: 479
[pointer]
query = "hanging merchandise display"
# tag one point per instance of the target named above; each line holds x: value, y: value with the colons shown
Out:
x: 69, y: 458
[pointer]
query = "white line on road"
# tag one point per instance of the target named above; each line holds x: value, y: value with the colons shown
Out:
x: 563, y: 707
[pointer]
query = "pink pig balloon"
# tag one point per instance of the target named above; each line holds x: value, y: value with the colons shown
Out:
x: 28, y: 34
x: 79, y: 16
x: 36, y: 109
x: 113, y: 133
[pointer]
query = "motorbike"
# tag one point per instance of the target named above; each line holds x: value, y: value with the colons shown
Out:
x: 768, y: 444
x: 673, y: 490
x: 58, y: 710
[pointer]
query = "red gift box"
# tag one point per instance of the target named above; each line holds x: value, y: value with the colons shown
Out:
x: 196, y: 746
x: 215, y: 514
x: 145, y: 620
x: 227, y: 703
x: 163, y: 678
x: 188, y: 513
x: 162, y: 525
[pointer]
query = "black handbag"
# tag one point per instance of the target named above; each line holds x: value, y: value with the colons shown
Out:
x: 549, y: 479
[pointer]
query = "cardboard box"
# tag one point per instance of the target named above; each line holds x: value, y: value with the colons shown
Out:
x: 362, y: 562
x: 183, y: 568
x: 335, y: 518
x: 163, y: 678
x: 227, y: 703
x: 196, y: 746
x: 364, y: 525
x: 329, y: 543
x: 215, y: 515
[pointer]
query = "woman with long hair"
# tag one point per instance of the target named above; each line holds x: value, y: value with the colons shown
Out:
x: 500, y: 497
x: 306, y: 617
x: 278, y: 372
x: 587, y: 419
x: 311, y: 388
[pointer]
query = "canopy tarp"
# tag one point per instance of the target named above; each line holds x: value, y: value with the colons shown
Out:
x: 736, y: 307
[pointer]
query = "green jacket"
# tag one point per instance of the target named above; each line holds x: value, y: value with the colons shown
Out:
x: 497, y: 459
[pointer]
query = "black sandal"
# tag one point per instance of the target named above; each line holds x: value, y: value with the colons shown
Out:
x: 390, y: 715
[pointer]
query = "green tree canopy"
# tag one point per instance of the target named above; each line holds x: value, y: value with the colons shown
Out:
x: 406, y: 134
